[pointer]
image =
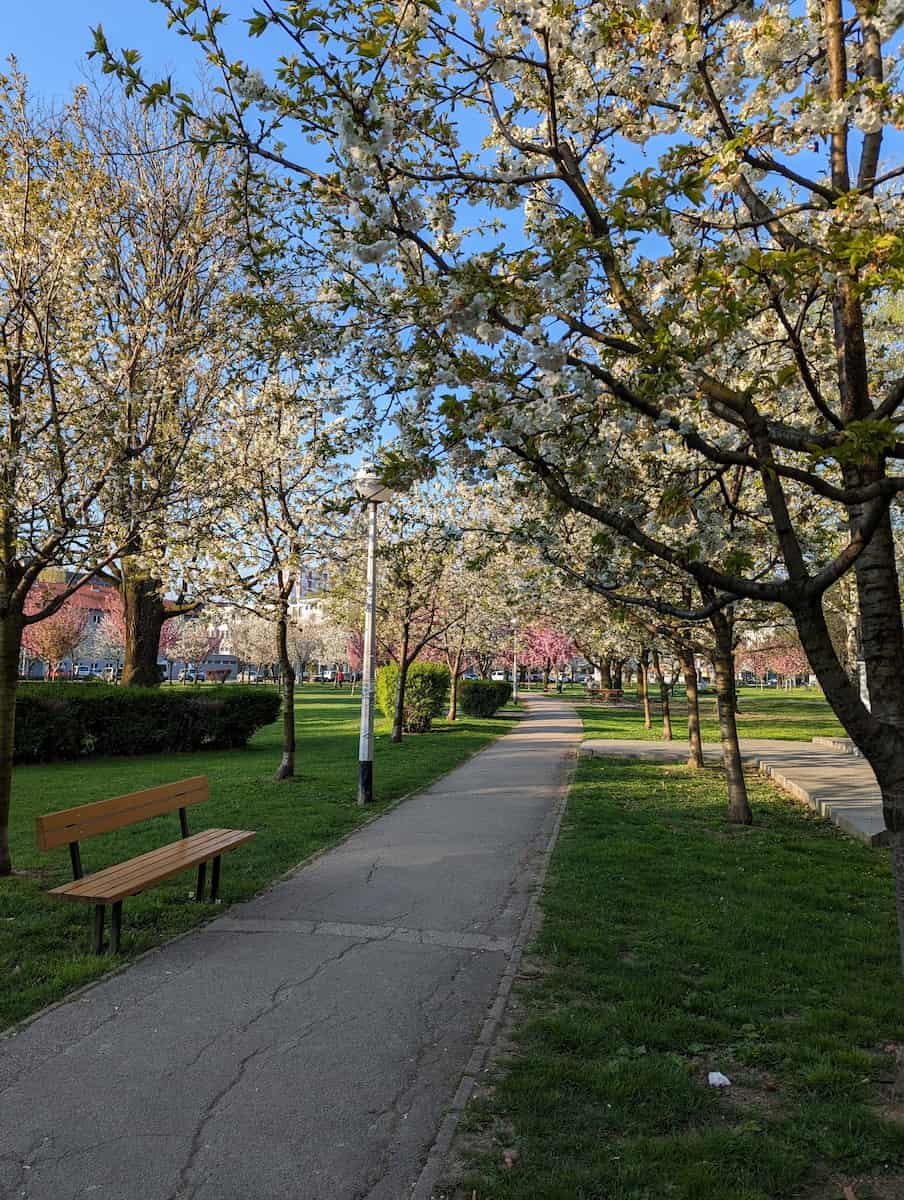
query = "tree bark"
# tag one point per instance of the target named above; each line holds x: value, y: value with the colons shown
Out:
x: 643, y: 687
x: 143, y: 615
x: 286, y: 767
x: 663, y: 698
x: 398, y: 719
x: 618, y: 674
x: 695, y: 742
x: 735, y: 701
x: 10, y: 645
x: 605, y: 669
x: 723, y: 663
x: 454, y: 676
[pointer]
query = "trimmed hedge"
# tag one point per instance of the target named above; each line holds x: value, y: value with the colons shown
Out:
x: 426, y: 687
x: 482, y: 697
x: 66, y: 721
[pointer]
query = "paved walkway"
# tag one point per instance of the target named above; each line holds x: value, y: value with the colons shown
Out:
x: 824, y: 774
x: 307, y: 1044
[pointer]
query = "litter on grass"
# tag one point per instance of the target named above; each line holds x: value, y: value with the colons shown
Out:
x: 718, y: 1080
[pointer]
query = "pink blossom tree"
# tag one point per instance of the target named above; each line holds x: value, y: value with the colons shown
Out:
x: 547, y: 648
x: 56, y: 638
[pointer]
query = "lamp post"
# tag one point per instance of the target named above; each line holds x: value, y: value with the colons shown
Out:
x: 373, y: 491
x: 514, y: 624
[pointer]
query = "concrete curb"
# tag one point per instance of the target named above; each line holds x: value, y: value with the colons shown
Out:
x: 853, y: 819
x: 530, y: 925
x: 842, y: 744
x: 850, y: 800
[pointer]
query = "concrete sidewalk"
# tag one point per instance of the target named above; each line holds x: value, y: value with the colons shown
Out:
x: 823, y: 773
x: 307, y: 1044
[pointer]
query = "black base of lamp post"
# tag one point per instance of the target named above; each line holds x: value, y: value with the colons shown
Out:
x: 365, y: 782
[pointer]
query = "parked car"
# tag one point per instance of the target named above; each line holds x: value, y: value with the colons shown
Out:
x: 82, y: 671
x: 499, y: 676
x: 112, y: 674
x: 190, y: 675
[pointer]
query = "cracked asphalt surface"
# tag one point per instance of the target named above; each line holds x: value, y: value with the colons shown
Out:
x: 306, y: 1045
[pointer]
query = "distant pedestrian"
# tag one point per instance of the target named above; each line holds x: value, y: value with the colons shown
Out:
x: 340, y: 677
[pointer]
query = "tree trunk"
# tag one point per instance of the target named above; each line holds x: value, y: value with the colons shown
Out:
x: 454, y: 675
x: 723, y: 663
x: 546, y: 670
x: 286, y: 767
x: 618, y: 674
x: 735, y: 702
x: 643, y: 687
x: 10, y: 645
x: 398, y: 719
x: 695, y: 742
x: 663, y: 698
x: 605, y: 669
x: 143, y: 615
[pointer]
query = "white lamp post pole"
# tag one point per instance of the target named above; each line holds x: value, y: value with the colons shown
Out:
x: 514, y: 660
x: 366, y: 741
x: 371, y: 489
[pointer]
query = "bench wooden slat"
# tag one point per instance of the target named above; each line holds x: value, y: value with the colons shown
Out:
x: 126, y: 879
x: 75, y: 824
x: 115, y: 871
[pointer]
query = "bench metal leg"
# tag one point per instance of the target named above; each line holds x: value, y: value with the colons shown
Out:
x: 98, y: 929
x: 202, y: 879
x: 215, y: 878
x: 115, y: 926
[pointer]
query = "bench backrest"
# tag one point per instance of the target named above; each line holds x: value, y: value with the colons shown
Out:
x: 74, y: 824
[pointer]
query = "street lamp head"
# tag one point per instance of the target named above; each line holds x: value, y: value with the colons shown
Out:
x: 370, y: 486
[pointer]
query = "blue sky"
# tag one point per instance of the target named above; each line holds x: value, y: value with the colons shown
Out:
x: 50, y: 38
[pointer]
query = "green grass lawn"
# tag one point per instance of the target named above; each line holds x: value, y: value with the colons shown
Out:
x: 673, y: 945
x: 799, y: 714
x: 45, y: 944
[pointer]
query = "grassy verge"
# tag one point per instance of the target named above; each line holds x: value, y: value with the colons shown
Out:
x: 796, y: 715
x: 674, y: 945
x: 45, y: 943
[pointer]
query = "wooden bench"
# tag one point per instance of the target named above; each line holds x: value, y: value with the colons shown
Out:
x: 113, y: 884
x: 604, y: 695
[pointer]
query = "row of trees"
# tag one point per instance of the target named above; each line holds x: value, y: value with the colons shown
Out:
x: 653, y: 261
x: 646, y: 267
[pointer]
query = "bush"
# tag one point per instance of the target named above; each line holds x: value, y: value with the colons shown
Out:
x: 65, y: 721
x: 426, y: 688
x: 482, y: 697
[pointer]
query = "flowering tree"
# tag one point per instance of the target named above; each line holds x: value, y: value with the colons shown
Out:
x: 304, y: 643
x: 354, y: 651
x: 282, y: 447
x: 548, y: 648
x: 416, y: 553
x: 192, y: 643
x: 168, y: 298
x: 54, y: 639
x: 110, y: 635
x: 773, y: 649
x: 685, y: 230
x: 60, y: 452
x: 251, y: 638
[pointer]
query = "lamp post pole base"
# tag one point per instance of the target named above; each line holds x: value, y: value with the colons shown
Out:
x: 365, y: 782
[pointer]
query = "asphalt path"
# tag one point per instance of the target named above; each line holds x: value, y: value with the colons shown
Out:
x: 307, y: 1044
